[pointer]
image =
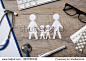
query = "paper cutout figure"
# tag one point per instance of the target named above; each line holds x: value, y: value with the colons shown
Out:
x: 32, y: 26
x: 42, y: 32
x: 48, y: 31
x: 56, y: 26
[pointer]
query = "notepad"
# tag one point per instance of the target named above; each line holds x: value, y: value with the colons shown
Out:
x: 12, y: 49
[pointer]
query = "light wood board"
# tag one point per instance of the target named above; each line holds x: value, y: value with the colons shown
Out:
x: 44, y: 15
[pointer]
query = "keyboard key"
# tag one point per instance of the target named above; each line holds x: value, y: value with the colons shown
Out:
x: 24, y: 1
x: 29, y: 0
x: 27, y: 5
x: 42, y: 1
x: 33, y: 3
x: 22, y: 6
x: 20, y: 1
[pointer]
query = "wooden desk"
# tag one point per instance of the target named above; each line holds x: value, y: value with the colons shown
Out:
x: 44, y: 15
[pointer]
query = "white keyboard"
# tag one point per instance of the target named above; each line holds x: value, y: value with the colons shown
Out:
x: 23, y: 4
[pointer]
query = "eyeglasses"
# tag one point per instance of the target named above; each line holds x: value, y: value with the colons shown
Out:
x: 72, y: 11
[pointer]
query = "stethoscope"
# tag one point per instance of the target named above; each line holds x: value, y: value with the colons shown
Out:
x: 26, y: 48
x: 3, y: 46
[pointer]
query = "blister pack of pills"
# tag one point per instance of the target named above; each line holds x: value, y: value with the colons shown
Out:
x: 79, y: 39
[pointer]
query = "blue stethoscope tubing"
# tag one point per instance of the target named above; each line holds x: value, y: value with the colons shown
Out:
x: 7, y: 41
x: 27, y: 54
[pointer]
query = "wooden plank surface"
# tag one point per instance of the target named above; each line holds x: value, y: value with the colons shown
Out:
x: 44, y: 15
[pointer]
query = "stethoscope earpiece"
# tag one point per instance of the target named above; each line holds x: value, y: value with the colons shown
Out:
x: 8, y: 11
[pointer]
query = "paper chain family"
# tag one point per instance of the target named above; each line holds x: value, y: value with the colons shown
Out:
x: 33, y: 26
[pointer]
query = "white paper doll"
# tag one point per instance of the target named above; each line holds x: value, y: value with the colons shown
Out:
x: 32, y: 26
x: 48, y: 32
x: 42, y: 32
x: 56, y: 24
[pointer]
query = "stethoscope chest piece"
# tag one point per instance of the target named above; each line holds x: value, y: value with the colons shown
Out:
x: 26, y: 48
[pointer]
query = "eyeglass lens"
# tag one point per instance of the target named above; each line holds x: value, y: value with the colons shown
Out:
x: 82, y: 18
x: 70, y: 11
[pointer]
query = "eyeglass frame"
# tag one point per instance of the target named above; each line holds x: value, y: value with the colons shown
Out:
x: 79, y: 12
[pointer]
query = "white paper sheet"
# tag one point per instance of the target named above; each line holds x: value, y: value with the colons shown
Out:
x: 12, y: 49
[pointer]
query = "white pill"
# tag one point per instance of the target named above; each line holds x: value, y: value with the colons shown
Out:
x: 81, y: 50
x: 82, y: 46
x: 79, y: 46
x: 76, y: 47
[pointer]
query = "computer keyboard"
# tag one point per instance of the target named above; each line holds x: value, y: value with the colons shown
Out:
x: 23, y: 4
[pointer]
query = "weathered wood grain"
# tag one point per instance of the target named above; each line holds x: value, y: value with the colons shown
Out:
x: 44, y: 15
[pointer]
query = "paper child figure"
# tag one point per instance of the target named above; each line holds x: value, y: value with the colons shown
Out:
x: 42, y: 32
x: 48, y: 31
x: 56, y: 26
x: 32, y: 25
